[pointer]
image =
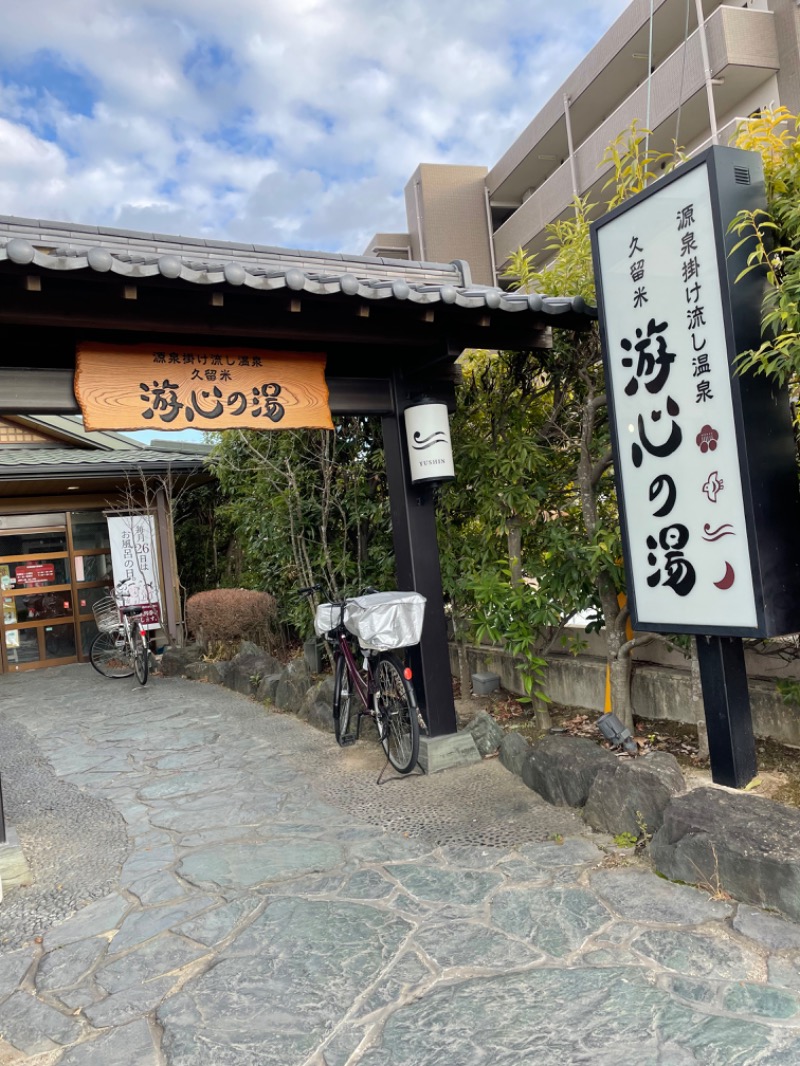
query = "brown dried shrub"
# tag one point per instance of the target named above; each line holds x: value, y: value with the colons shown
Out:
x: 220, y: 618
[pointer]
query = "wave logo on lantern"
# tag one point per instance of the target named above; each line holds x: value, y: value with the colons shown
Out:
x: 421, y: 443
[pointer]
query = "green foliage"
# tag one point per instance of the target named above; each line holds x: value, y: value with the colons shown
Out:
x: 634, y: 164
x: 773, y: 239
x: 515, y: 560
x: 789, y: 690
x: 202, y: 536
x: 569, y: 251
x: 306, y: 506
x: 626, y: 840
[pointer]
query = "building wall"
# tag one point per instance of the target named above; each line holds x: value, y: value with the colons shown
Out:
x: 754, y: 53
x: 392, y: 245
x: 445, y: 206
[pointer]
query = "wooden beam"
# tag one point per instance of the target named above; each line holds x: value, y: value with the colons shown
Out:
x: 360, y: 396
x: 27, y: 391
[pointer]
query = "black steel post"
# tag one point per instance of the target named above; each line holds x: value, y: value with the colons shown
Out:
x: 417, y: 561
x: 731, y: 744
x: 2, y: 816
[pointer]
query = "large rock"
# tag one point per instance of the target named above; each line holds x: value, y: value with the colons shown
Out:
x: 175, y: 660
x: 317, y: 708
x: 562, y: 769
x: 630, y: 797
x: 267, y: 688
x: 249, y: 666
x: 486, y: 733
x: 514, y: 750
x: 743, y: 844
x: 214, y: 672
x: 295, y: 682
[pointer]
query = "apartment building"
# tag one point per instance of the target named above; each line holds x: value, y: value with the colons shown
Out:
x: 484, y: 213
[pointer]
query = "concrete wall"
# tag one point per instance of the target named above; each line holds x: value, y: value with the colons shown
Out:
x: 659, y: 692
x: 446, y: 210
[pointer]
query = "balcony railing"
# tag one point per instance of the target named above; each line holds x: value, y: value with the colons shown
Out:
x: 729, y: 31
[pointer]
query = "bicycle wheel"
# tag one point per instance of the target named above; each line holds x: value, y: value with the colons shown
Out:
x: 141, y: 655
x: 110, y: 654
x: 397, y: 713
x: 342, y: 701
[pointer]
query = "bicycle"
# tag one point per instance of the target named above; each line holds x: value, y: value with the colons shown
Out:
x: 378, y: 624
x: 121, y: 647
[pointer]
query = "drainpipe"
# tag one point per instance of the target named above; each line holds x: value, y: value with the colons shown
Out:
x: 492, y: 259
x: 570, y: 147
x: 701, y: 29
x: 419, y: 221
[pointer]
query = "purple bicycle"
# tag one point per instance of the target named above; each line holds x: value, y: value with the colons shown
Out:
x: 373, y: 627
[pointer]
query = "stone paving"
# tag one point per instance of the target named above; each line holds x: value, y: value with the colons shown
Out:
x: 268, y: 903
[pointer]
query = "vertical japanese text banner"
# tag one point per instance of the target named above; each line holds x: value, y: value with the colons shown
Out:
x: 669, y: 379
x: 134, y: 562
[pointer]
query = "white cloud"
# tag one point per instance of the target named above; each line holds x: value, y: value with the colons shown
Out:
x: 261, y: 120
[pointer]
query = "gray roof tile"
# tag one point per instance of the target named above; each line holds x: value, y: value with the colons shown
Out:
x: 140, y: 255
x: 90, y: 457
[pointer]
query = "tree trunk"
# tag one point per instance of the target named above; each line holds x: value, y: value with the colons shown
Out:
x: 589, y: 474
x: 698, y: 705
x: 515, y: 551
x: 541, y: 713
x: 620, y: 669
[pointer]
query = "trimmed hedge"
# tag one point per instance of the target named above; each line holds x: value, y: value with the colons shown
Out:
x: 223, y: 617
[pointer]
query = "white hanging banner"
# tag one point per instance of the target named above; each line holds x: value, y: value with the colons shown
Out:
x: 430, y: 453
x: 134, y: 562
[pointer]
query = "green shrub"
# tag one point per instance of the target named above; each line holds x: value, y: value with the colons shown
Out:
x: 220, y: 618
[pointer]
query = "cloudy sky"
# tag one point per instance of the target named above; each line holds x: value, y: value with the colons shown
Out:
x: 287, y: 122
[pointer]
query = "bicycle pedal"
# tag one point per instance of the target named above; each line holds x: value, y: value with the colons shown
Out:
x: 347, y: 741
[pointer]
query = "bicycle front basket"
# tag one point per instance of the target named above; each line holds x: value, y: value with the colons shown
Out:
x: 106, y: 614
x: 386, y: 620
x: 327, y: 617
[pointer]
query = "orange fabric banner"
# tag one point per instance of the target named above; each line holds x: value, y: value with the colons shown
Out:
x: 161, y: 387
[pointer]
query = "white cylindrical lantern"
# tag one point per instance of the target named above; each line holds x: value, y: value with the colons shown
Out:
x: 430, y: 453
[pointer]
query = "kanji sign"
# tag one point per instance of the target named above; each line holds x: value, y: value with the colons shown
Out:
x: 154, y: 386
x: 151, y: 615
x: 690, y: 456
x: 35, y: 574
x: 134, y: 561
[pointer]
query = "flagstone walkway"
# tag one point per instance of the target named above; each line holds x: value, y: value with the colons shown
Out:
x: 220, y: 885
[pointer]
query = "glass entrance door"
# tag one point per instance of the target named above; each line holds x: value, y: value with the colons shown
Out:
x: 38, y: 624
x: 53, y: 568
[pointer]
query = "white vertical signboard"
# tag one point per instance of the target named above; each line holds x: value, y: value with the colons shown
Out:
x: 669, y: 379
x: 134, y: 560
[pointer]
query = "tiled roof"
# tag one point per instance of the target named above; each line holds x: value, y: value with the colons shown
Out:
x: 64, y: 246
x: 86, y: 458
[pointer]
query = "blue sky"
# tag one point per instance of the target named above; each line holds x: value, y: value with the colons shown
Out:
x: 293, y: 124
x: 287, y: 123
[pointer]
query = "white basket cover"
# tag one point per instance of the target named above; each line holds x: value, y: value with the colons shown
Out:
x: 386, y: 620
x: 327, y: 617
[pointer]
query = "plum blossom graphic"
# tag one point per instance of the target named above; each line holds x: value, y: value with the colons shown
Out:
x: 707, y: 439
